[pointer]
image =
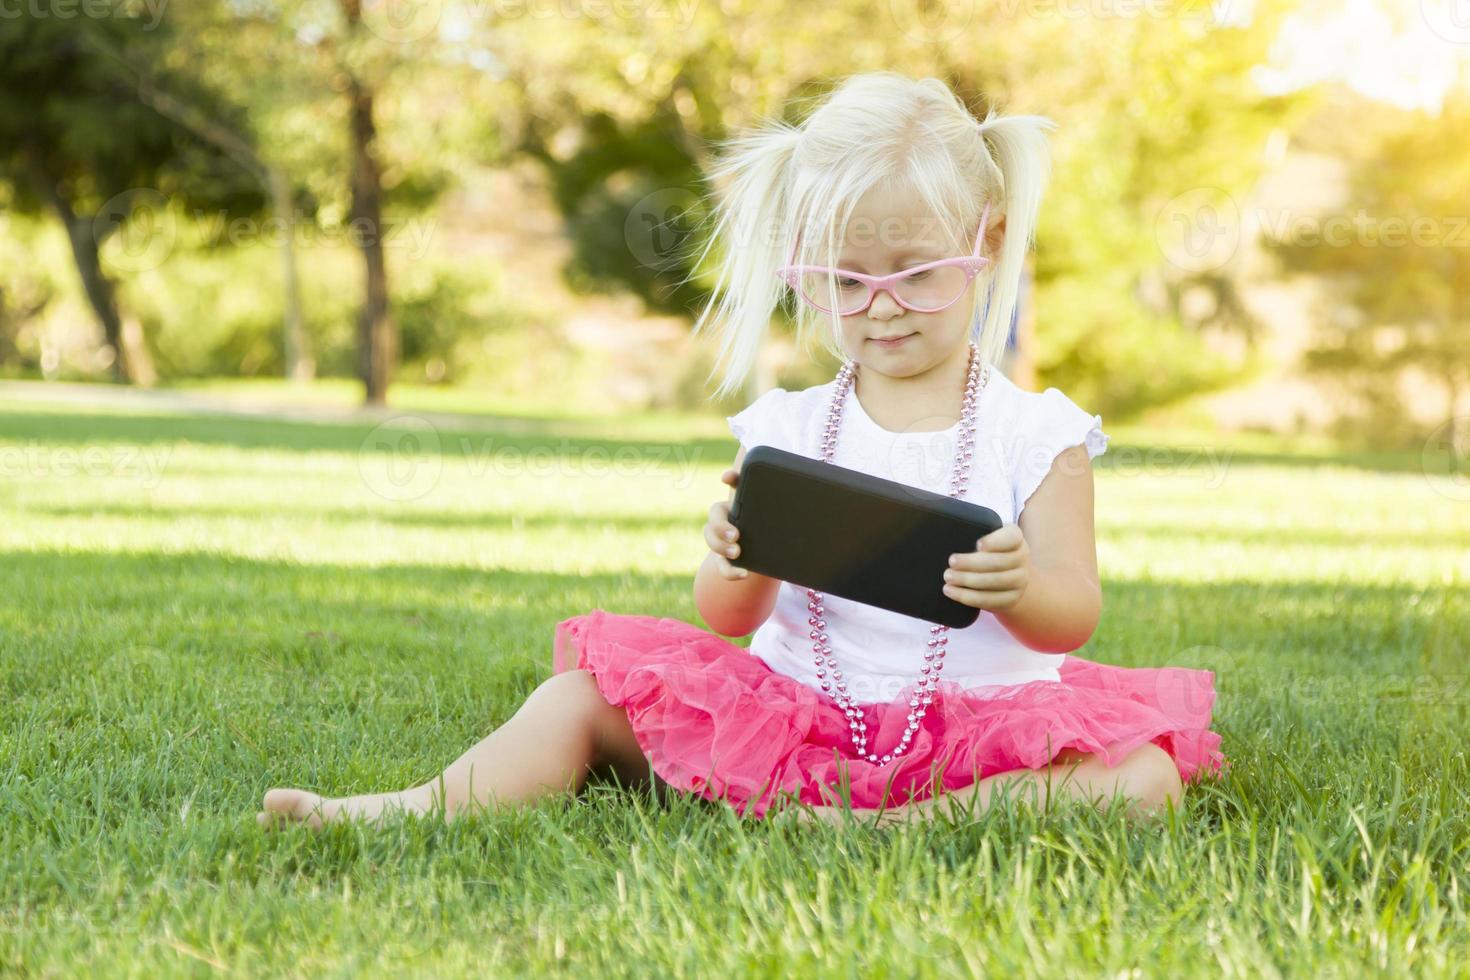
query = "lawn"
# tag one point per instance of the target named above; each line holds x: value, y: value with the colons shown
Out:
x: 194, y: 608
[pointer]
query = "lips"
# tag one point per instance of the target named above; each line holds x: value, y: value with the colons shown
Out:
x: 891, y: 341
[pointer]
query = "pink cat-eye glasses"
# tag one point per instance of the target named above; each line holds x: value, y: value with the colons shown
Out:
x: 926, y: 288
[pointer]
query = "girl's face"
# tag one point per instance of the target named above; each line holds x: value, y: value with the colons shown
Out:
x: 888, y: 232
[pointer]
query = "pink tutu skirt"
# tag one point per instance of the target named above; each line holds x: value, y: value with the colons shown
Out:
x: 714, y: 720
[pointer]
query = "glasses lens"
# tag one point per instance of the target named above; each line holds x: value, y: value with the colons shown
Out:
x: 824, y: 291
x: 933, y: 288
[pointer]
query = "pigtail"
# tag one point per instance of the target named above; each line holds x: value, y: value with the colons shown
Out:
x: 753, y: 172
x: 1019, y: 148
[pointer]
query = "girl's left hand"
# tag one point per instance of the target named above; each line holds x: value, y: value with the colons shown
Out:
x: 995, y: 575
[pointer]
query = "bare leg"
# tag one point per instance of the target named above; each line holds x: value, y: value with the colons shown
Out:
x: 563, y: 731
x: 1146, y: 779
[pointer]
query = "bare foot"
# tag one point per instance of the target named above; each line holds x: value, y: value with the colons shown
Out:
x: 288, y: 806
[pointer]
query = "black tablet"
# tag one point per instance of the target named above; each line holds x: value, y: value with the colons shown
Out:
x: 854, y: 535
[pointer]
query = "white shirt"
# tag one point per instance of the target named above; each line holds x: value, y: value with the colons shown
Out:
x: 1018, y: 435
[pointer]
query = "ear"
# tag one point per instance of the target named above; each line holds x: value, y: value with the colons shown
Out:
x: 995, y: 236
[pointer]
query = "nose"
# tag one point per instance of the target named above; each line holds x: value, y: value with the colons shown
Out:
x: 883, y: 306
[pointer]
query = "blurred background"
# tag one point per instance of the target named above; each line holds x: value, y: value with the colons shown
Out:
x: 1257, y: 221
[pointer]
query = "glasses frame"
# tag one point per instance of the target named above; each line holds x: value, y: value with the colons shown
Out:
x: 972, y: 265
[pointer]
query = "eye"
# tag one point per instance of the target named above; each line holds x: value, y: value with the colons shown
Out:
x: 920, y: 276
x: 843, y: 282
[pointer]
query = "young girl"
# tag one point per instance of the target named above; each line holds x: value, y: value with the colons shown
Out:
x: 894, y: 219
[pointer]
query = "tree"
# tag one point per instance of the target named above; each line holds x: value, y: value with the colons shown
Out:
x: 300, y: 365
x: 1398, y: 256
x: 76, y: 142
x: 1150, y: 106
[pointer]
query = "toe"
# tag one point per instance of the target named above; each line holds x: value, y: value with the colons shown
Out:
x: 295, y: 804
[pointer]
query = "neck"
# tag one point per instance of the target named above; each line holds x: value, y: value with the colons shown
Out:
x: 929, y: 401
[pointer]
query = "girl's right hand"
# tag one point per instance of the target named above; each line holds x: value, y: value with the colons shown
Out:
x: 722, y: 536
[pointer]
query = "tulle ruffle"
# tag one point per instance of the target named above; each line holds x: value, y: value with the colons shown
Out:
x: 713, y: 719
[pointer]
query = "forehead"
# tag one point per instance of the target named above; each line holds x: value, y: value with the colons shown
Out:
x: 888, y: 223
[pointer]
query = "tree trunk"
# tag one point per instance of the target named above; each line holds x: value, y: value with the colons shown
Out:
x: 300, y: 364
x: 375, y: 336
x: 130, y: 358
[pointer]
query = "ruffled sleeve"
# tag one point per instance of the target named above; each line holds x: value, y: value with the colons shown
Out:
x: 1057, y: 424
x: 760, y: 422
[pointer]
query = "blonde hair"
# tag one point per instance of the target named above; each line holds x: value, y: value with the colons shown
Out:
x: 877, y: 129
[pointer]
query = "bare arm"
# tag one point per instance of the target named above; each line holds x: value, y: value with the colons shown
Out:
x: 733, y: 601
x: 1062, y: 602
x: 1039, y: 577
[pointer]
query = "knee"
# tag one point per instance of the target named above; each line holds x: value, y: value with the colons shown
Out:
x: 1158, y: 783
x: 573, y: 693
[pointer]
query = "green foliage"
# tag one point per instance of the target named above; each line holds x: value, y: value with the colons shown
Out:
x: 72, y: 108
x: 623, y: 113
x: 1398, y: 257
x: 629, y: 199
x: 451, y: 319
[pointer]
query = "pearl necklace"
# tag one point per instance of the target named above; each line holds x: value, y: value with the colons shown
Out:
x: 939, y: 635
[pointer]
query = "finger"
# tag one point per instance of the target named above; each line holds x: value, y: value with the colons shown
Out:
x: 731, y: 477
x: 719, y: 523
x: 1012, y: 578
x: 983, y: 561
x: 1006, y: 538
x: 981, y: 600
x: 714, y: 536
x: 730, y: 571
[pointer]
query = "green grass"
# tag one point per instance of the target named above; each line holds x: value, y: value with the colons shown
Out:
x: 208, y: 606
